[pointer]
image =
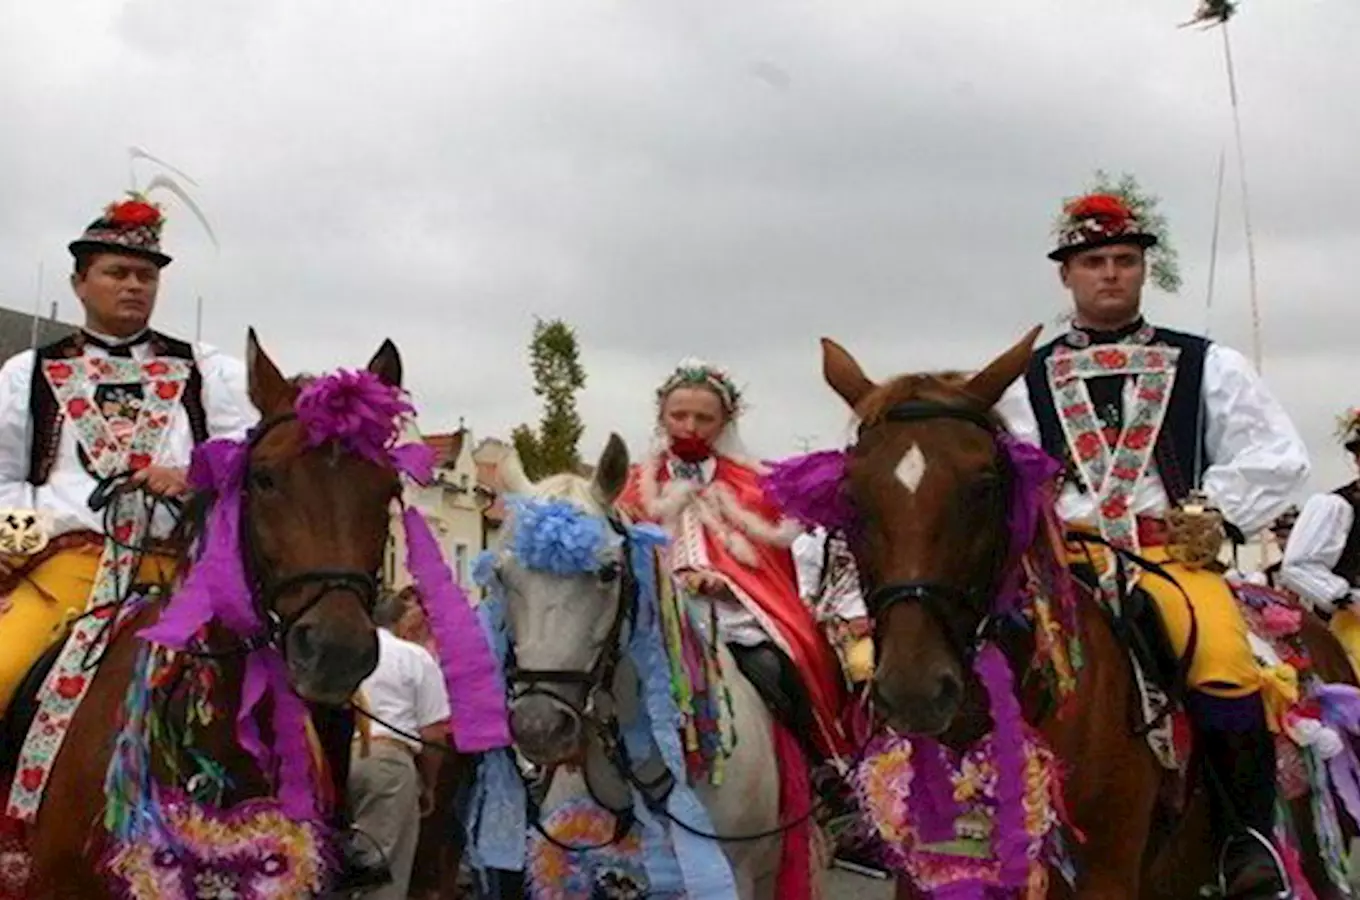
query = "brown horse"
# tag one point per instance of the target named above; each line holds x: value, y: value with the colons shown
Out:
x: 308, y: 510
x: 939, y: 530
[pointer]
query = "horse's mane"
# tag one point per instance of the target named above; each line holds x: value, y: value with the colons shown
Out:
x: 945, y: 387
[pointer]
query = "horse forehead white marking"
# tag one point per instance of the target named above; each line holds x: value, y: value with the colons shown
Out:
x: 912, y: 469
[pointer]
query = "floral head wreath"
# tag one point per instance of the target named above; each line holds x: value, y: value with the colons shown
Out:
x: 1348, y: 428
x: 696, y: 373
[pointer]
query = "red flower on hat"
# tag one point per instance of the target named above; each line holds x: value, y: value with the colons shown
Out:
x: 1099, y: 205
x: 134, y: 214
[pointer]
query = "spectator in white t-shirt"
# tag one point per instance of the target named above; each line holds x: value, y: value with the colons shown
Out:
x: 392, y: 787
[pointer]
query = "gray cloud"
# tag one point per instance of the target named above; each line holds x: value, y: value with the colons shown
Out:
x: 731, y: 180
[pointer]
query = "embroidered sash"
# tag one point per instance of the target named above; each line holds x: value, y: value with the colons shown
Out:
x: 1113, y: 472
x: 120, y: 411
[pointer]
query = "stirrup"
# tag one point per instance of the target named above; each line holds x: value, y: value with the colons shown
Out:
x: 1251, y: 835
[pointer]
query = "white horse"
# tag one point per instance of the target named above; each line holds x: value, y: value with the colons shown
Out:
x: 571, y: 629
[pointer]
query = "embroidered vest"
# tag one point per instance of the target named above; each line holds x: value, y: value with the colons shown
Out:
x: 47, y: 416
x: 1348, y: 566
x: 1175, y: 452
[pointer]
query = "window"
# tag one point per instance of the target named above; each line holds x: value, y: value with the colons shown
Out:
x: 460, y: 563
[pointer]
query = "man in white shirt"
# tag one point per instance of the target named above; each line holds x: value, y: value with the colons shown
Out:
x: 392, y: 787
x: 114, y: 397
x: 829, y: 584
x: 1142, y: 416
x: 1322, y: 559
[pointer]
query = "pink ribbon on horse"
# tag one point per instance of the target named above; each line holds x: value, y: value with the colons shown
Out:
x: 216, y: 589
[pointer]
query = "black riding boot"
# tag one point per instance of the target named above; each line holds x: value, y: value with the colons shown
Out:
x: 774, y: 677
x: 1241, y: 784
x: 335, y: 732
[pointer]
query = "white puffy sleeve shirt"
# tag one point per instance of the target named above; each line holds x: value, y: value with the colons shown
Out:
x: 1257, y: 462
x: 66, y: 495
x: 1314, y: 548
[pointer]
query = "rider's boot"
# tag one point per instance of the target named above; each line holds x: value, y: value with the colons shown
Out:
x: 1241, y: 760
x: 779, y: 684
x: 358, y: 870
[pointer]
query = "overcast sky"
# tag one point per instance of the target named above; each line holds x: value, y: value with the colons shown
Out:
x: 731, y: 180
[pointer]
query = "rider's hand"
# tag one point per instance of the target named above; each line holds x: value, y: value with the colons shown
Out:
x: 704, y: 582
x: 162, y: 480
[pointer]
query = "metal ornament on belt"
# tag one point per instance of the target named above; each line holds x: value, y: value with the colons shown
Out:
x: 24, y: 532
x: 1195, y: 532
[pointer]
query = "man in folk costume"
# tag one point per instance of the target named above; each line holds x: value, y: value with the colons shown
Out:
x: 829, y: 583
x: 1143, y: 416
x: 1322, y: 559
x: 730, y: 546
x: 115, y: 396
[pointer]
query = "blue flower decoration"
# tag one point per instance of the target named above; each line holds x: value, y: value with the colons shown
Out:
x: 484, y: 568
x: 556, y: 536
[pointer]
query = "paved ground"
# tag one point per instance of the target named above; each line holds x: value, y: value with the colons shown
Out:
x: 838, y: 885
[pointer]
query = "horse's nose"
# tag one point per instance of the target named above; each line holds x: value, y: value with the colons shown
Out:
x: 911, y: 709
x: 329, y: 660
x: 544, y: 732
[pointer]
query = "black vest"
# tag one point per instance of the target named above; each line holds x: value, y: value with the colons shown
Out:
x: 1182, y: 428
x: 47, y: 416
x: 1348, y: 566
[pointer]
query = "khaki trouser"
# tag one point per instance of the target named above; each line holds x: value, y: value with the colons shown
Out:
x: 384, y: 796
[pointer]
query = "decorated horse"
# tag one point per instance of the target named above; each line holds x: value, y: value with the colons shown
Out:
x: 657, y: 755
x: 1011, y: 763
x: 193, y: 767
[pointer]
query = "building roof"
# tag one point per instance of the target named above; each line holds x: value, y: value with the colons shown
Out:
x: 447, y: 447
x: 16, y: 331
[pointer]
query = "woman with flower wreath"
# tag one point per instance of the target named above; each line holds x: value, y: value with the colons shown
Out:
x: 730, y: 547
x: 1322, y: 558
x: 1156, y: 428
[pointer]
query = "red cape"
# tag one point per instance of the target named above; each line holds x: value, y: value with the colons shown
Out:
x: 772, y: 585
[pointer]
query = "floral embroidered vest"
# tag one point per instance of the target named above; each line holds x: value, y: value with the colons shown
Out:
x: 48, y: 416
x: 1179, y: 463
x: 1348, y: 566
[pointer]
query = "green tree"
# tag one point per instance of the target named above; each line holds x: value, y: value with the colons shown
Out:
x: 555, y: 359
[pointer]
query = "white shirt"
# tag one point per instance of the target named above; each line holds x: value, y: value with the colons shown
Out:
x: 842, y: 599
x: 66, y: 495
x: 1314, y: 548
x: 1258, y: 463
x: 406, y: 689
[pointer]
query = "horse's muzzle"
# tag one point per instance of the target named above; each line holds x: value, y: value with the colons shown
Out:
x: 910, y: 710
x: 327, y: 662
x: 546, y: 732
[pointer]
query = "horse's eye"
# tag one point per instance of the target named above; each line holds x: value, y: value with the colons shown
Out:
x: 262, y: 480
x: 609, y: 573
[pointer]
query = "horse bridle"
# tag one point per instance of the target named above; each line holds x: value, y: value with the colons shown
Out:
x: 935, y: 596
x: 265, y: 590
x: 599, y: 707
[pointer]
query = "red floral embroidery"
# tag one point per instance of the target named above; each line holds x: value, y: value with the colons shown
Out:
x: 59, y: 372
x: 1139, y: 438
x: 31, y: 779
x: 1111, y: 359
x: 1076, y: 409
x: 156, y: 368
x: 1156, y: 360
x: 166, y: 390
x: 123, y: 533
x: 1151, y: 395
x: 1115, y: 508
x: 1124, y: 473
x: 138, y: 461
x: 70, y: 686
x: 77, y: 407
x: 1088, y: 446
x: 1062, y: 368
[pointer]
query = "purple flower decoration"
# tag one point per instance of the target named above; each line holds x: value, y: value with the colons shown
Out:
x: 811, y: 489
x: 364, y: 415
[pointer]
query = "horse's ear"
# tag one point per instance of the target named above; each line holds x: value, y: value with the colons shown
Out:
x: 511, y: 472
x: 844, y: 374
x: 611, y: 472
x: 386, y: 364
x: 268, y: 388
x: 988, y: 385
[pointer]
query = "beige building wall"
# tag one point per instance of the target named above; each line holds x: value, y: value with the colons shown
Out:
x: 454, y: 505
